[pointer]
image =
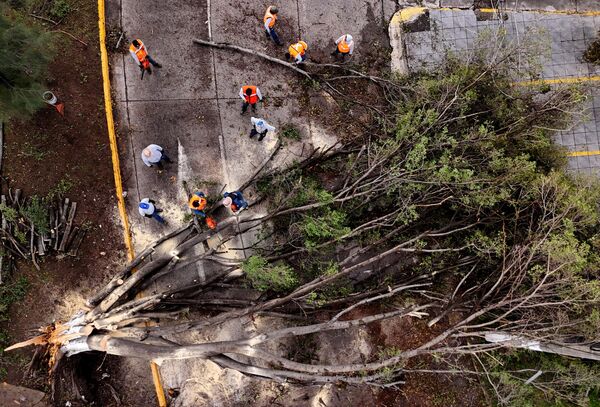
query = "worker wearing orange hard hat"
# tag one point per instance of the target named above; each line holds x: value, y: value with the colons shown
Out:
x: 297, y: 52
x: 140, y: 55
x: 344, y: 46
x: 269, y: 21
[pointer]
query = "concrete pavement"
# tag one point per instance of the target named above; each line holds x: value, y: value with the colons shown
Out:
x: 562, y: 40
x: 191, y: 107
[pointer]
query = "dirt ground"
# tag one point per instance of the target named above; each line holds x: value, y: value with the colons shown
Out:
x: 73, y: 150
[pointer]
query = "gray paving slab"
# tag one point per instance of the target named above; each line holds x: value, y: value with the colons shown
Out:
x: 588, y: 5
x: 186, y: 130
x: 567, y: 37
x: 456, y: 3
x: 167, y: 37
x: 239, y: 148
x: 548, y: 5
x: 322, y: 22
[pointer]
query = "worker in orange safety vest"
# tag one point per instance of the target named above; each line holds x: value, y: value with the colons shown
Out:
x: 297, y: 52
x: 197, y: 204
x: 250, y: 95
x: 269, y: 21
x: 140, y: 55
x: 344, y: 46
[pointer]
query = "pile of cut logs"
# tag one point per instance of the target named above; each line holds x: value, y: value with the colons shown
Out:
x: 20, y: 239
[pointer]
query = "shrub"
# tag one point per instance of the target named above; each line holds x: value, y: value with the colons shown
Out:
x: 264, y: 276
x: 36, y: 212
x: 60, y: 8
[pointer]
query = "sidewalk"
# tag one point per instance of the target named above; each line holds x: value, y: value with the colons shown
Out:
x: 566, y: 37
x: 191, y: 107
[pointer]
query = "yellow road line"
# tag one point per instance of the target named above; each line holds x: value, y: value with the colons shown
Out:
x: 578, y: 79
x: 583, y: 153
x: 162, y: 401
x: 561, y: 12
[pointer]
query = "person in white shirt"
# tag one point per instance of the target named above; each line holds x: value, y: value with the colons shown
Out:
x: 260, y: 127
x: 344, y: 46
x: 251, y: 96
x: 154, y: 155
x: 147, y: 208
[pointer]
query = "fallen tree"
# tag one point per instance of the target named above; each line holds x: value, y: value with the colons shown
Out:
x: 460, y: 214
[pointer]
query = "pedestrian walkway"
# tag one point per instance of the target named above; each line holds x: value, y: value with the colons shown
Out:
x: 562, y: 38
x: 191, y: 108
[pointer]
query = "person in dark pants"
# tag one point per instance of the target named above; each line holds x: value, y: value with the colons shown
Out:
x: 148, y: 209
x: 154, y: 155
x: 251, y: 96
x: 269, y: 21
x: 260, y: 127
x: 140, y: 55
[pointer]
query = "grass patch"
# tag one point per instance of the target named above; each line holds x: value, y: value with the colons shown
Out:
x: 290, y: 132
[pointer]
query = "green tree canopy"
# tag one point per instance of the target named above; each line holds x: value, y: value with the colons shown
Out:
x: 25, y: 52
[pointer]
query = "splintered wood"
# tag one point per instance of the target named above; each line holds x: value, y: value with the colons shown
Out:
x: 31, y: 228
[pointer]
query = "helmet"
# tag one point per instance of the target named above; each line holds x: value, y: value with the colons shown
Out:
x: 348, y: 38
x: 227, y: 201
x: 305, y: 45
x: 144, y: 205
x: 260, y: 122
x: 273, y: 10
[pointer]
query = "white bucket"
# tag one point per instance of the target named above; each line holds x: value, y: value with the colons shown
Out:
x: 50, y: 98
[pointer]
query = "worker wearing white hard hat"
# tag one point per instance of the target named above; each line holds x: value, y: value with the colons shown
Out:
x: 344, y: 45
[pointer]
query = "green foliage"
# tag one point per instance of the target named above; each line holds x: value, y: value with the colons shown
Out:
x: 290, y: 132
x: 11, y: 293
x: 564, y: 382
x: 60, y: 9
x: 59, y: 191
x: 25, y: 52
x: 329, y: 225
x: 308, y: 190
x: 264, y: 276
x: 10, y: 214
x: 36, y: 212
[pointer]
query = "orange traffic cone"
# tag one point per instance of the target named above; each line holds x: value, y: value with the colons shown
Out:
x: 52, y: 100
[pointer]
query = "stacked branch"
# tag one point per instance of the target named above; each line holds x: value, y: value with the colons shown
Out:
x: 34, y: 227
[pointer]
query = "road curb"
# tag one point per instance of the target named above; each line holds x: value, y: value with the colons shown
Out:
x: 110, y: 123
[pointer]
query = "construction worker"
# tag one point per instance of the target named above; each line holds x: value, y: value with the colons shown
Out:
x: 269, y: 22
x: 297, y: 52
x: 197, y: 203
x: 250, y: 95
x: 235, y: 201
x: 260, y: 127
x: 154, y: 155
x: 344, y: 46
x: 140, y: 55
x: 147, y: 208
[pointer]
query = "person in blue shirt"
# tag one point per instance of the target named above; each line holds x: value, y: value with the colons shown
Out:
x: 235, y: 200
